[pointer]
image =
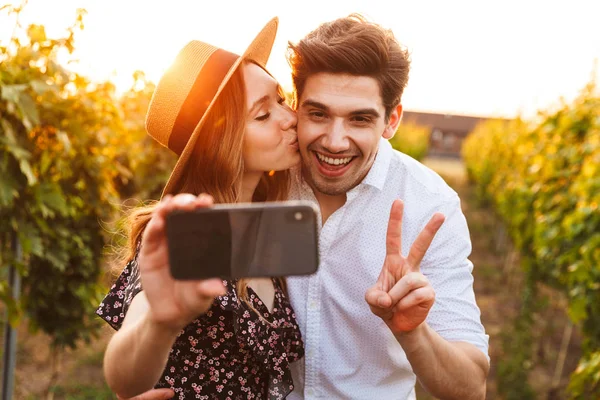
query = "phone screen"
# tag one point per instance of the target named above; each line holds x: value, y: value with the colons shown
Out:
x: 242, y: 242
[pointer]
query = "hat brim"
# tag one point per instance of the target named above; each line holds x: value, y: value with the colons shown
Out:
x: 258, y: 51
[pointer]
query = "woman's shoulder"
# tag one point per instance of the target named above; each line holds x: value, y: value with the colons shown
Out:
x: 114, y: 306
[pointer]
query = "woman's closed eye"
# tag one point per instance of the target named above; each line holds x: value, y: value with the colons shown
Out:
x: 264, y: 116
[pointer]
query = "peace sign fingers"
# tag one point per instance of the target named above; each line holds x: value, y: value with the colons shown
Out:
x: 423, y: 241
x: 393, y: 243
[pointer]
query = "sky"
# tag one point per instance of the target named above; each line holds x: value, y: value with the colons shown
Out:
x: 484, y: 58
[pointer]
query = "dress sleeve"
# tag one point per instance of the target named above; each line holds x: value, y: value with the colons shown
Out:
x: 114, y: 306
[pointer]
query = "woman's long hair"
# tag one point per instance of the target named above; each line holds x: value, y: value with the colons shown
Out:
x: 216, y: 166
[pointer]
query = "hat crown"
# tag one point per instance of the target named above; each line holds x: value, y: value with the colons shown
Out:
x: 175, y: 87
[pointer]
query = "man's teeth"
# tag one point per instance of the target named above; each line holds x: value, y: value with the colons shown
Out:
x: 334, y: 161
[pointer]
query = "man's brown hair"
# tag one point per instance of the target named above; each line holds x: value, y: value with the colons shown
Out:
x: 354, y: 46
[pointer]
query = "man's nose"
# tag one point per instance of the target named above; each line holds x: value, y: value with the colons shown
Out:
x: 336, y: 140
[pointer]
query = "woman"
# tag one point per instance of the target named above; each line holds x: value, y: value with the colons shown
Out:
x: 226, y: 118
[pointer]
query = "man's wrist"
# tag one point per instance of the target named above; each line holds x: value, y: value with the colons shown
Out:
x: 412, y: 341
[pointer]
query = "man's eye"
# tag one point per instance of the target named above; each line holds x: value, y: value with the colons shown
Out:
x: 263, y: 117
x: 317, y: 114
x: 362, y: 120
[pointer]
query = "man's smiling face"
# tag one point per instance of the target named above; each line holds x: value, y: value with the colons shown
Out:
x: 341, y: 118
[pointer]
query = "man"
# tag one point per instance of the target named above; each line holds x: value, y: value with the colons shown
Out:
x: 349, y: 76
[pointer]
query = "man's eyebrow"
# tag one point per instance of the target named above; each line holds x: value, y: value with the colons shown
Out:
x: 315, y: 104
x: 366, y: 111
x: 363, y: 111
x: 257, y: 103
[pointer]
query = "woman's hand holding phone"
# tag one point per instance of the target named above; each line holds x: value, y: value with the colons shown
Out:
x: 173, y: 303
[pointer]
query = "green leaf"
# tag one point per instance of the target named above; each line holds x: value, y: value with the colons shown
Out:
x: 40, y: 87
x: 37, y: 247
x: 58, y: 260
x: 28, y: 172
x: 10, y: 141
x: 8, y: 191
x: 63, y: 138
x: 51, y: 196
x: 17, y: 95
x: 12, y: 93
x: 46, y: 160
x: 8, y: 131
x: 31, y: 116
x: 18, y: 152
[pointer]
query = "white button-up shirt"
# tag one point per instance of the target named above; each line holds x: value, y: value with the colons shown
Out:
x: 349, y: 352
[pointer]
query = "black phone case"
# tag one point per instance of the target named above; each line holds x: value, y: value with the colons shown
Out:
x: 269, y: 239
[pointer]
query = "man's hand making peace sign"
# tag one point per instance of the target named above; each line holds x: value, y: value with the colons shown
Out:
x: 402, y: 296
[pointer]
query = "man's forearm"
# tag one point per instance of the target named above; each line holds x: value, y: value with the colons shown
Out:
x: 448, y: 370
x: 136, y: 357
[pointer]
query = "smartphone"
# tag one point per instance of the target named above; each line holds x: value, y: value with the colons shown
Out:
x: 243, y: 240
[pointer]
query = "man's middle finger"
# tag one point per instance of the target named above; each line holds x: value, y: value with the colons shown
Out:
x: 423, y: 241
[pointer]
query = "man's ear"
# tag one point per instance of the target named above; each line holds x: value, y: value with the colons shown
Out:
x: 393, y: 122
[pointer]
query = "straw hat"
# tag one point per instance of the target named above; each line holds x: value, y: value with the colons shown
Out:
x: 188, y: 89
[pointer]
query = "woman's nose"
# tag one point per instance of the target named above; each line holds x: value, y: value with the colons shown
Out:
x: 290, y: 119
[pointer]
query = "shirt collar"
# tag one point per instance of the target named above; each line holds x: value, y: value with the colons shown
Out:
x: 379, y: 170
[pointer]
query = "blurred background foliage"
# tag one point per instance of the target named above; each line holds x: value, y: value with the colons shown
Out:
x: 412, y: 139
x: 544, y: 181
x: 71, y: 151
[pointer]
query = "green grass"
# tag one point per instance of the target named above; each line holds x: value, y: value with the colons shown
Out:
x: 82, y: 392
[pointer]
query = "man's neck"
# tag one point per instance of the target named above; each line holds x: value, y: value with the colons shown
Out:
x: 329, y: 204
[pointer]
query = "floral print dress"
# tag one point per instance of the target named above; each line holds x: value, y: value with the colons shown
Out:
x: 227, y: 353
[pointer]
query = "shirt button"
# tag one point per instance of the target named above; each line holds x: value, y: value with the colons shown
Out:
x: 310, y: 392
x: 310, y: 353
x: 313, y: 305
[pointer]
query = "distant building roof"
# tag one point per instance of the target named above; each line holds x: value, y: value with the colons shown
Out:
x: 459, y: 124
x: 447, y: 130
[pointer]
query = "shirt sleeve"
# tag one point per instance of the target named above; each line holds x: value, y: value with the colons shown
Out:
x: 117, y: 301
x: 455, y: 315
